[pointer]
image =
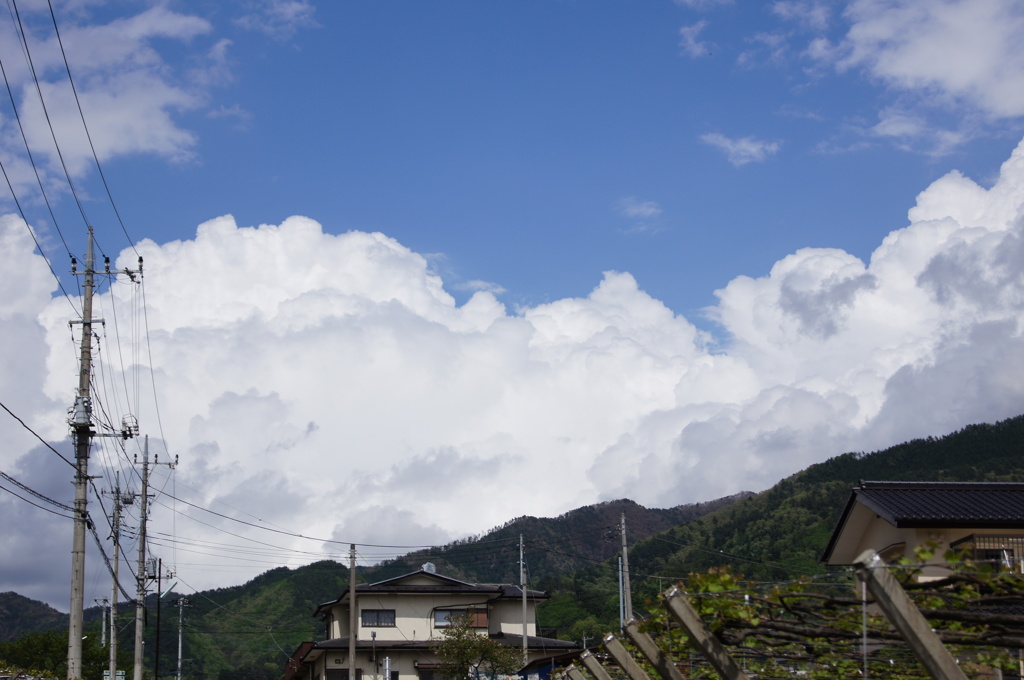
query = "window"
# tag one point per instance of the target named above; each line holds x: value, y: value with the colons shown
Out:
x: 378, y: 617
x: 1003, y: 552
x: 442, y: 617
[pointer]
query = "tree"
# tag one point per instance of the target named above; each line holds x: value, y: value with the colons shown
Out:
x: 46, y: 654
x: 465, y: 652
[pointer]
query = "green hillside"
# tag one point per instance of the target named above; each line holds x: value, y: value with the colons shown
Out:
x: 248, y: 631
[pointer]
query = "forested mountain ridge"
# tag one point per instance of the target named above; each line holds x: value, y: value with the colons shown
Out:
x: 247, y: 631
x: 782, y: 532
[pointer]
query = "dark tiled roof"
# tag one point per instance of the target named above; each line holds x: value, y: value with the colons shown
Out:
x: 981, y: 505
x: 440, y: 585
x: 535, y: 643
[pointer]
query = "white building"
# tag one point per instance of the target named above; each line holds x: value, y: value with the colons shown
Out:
x: 398, y: 621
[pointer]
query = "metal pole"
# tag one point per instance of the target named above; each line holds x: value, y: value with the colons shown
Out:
x: 81, y: 424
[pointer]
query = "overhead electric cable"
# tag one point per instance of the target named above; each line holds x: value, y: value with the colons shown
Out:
x: 92, y: 147
x: 45, y: 443
x: 35, y: 493
x: 31, y: 158
x: 110, y: 567
x: 46, y: 113
x: 33, y: 503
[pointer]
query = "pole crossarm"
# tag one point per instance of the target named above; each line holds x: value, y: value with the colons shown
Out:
x: 906, y: 617
x: 684, y: 613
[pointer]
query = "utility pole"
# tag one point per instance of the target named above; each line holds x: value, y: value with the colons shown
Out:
x: 104, y: 603
x: 117, y: 559
x: 182, y: 603
x: 627, y: 596
x: 81, y: 427
x: 352, y: 612
x: 141, y: 576
x: 522, y: 586
x: 83, y: 432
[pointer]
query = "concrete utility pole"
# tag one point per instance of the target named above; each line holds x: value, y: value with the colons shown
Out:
x: 522, y: 586
x: 81, y: 427
x: 352, y: 612
x: 141, y: 576
x: 627, y: 595
x: 182, y: 603
x: 104, y: 603
x: 117, y: 560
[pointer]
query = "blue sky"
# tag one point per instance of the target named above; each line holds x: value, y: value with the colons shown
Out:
x: 534, y: 145
x: 660, y: 250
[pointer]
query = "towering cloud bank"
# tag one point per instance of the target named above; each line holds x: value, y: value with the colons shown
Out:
x: 328, y: 384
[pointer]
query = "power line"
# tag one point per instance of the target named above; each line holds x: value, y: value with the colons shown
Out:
x: 45, y: 443
x: 46, y: 113
x: 34, y: 504
x: 92, y: 147
x: 35, y: 493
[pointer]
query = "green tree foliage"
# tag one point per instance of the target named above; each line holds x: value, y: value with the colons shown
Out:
x: 46, y: 654
x: 465, y: 651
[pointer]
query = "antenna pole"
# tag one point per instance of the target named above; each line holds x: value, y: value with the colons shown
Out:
x: 81, y: 427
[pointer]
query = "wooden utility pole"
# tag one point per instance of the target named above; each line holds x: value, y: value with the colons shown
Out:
x: 81, y: 428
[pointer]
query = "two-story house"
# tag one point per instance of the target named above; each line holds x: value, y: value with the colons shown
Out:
x: 984, y: 519
x: 399, y: 620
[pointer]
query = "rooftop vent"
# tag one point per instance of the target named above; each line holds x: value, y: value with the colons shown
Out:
x: 429, y: 568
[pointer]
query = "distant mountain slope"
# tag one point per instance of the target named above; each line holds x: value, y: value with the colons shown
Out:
x: 557, y: 545
x: 782, y: 532
x: 19, y: 614
x: 246, y: 631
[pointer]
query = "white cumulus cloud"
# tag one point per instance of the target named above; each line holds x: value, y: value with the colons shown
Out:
x: 330, y: 385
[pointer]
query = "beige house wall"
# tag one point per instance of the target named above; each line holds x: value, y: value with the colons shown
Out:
x: 414, y: 615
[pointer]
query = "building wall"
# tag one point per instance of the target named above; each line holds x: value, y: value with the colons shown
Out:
x: 414, y: 615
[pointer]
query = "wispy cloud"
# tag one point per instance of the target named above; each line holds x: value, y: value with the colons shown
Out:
x: 689, y: 42
x: 812, y: 15
x: 279, y: 19
x: 742, y: 150
x: 634, y: 208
